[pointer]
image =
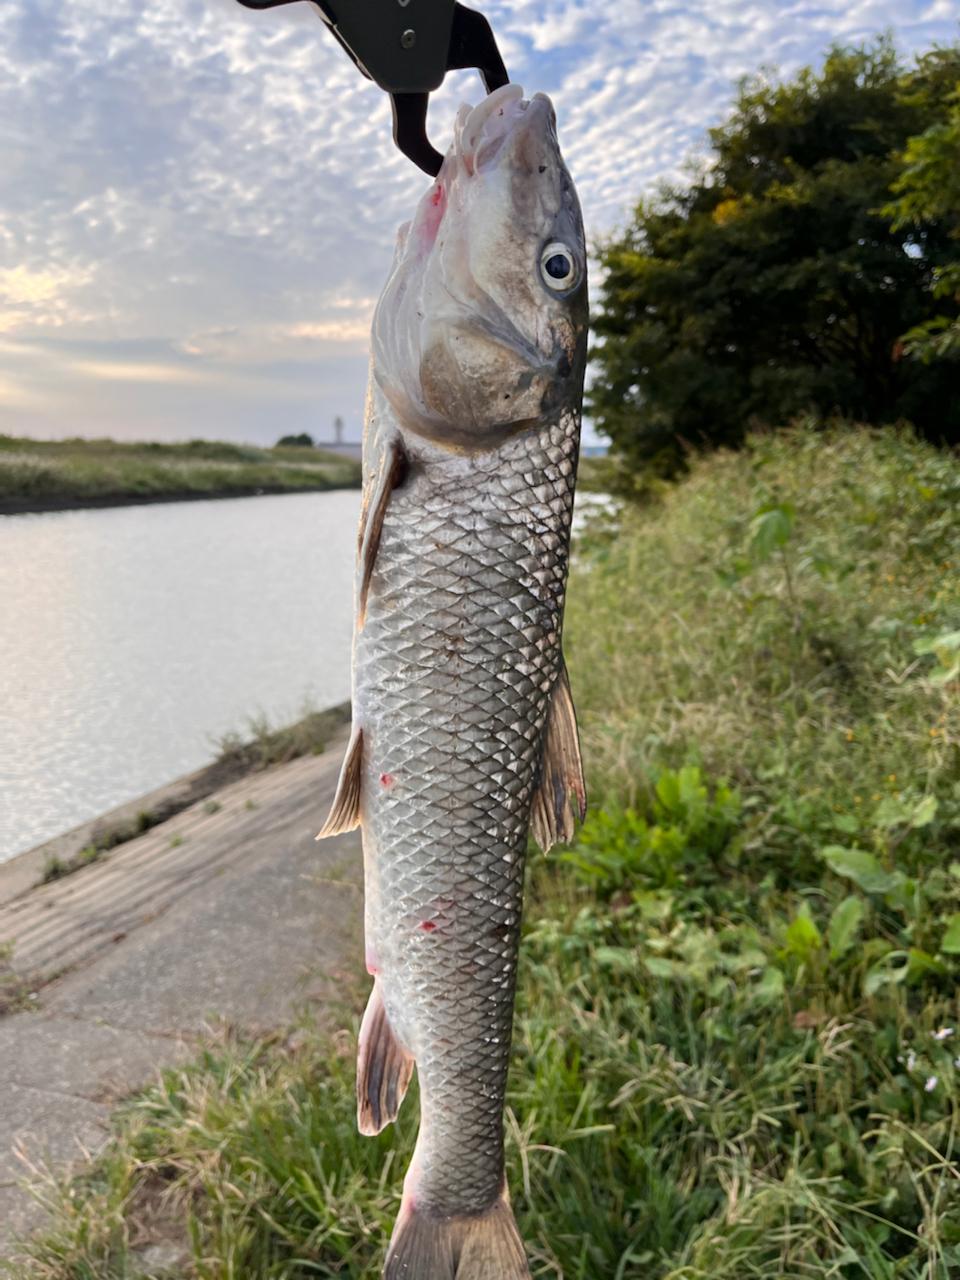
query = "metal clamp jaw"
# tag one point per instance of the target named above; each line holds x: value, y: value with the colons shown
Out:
x: 407, y: 47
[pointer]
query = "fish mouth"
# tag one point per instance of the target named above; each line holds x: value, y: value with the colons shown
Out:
x: 479, y: 139
x: 480, y: 132
x: 485, y: 136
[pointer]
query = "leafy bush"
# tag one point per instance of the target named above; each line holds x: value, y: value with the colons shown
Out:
x: 302, y: 441
x: 619, y: 847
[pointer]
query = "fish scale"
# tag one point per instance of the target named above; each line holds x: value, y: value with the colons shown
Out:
x: 457, y: 729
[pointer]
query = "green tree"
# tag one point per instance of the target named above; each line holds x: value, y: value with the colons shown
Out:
x: 772, y: 283
x: 929, y: 191
x: 302, y: 441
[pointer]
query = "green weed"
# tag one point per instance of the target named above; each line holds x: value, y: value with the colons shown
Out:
x: 16, y: 990
x: 55, y: 867
x: 264, y: 745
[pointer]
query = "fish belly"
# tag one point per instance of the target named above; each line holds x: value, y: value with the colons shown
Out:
x: 453, y: 672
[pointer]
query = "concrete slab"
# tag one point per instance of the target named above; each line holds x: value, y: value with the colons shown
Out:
x: 59, y: 1078
x: 230, y: 910
x: 82, y: 1058
x: 41, y: 1126
x: 251, y: 941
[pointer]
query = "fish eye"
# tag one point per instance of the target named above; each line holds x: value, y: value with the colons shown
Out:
x: 558, y: 267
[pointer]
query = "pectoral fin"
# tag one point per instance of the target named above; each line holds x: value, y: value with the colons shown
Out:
x: 393, y: 467
x: 345, y: 810
x: 384, y: 1068
x: 561, y: 771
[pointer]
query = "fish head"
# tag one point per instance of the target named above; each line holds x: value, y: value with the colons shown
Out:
x: 481, y: 330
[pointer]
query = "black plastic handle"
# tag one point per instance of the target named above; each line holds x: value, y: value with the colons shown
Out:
x: 407, y: 47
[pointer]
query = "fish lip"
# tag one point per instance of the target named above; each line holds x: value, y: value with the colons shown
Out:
x: 481, y: 131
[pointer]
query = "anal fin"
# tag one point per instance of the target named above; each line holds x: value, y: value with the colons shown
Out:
x: 393, y: 467
x: 561, y: 771
x: 384, y: 1068
x: 345, y: 810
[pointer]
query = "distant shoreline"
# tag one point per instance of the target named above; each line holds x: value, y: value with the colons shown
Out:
x: 71, y: 475
x: 15, y: 506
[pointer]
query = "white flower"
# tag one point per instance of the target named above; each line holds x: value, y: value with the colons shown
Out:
x: 943, y: 1033
x: 911, y: 1060
x: 931, y: 1084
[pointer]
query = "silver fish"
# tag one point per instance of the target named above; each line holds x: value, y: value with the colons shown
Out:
x: 464, y: 734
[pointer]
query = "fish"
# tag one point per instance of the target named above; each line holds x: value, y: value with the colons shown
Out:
x: 464, y: 736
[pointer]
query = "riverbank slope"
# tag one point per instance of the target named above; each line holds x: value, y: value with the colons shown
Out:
x: 228, y: 913
x: 57, y: 475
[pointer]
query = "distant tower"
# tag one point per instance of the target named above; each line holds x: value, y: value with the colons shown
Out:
x: 338, y: 430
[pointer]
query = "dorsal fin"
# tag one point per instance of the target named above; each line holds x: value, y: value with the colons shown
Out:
x: 345, y: 810
x: 393, y: 466
x: 561, y: 771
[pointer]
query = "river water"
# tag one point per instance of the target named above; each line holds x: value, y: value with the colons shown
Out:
x: 131, y: 637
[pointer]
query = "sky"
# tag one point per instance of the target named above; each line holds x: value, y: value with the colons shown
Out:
x: 198, y: 202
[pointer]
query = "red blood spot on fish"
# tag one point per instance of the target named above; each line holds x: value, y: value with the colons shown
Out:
x: 373, y: 962
x: 428, y: 926
x: 433, y: 216
x: 387, y: 779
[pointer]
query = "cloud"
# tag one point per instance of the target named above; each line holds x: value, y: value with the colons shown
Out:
x: 40, y: 298
x: 13, y: 395
x: 22, y: 285
x: 140, y: 373
x: 330, y: 330
x: 297, y: 340
x: 200, y: 191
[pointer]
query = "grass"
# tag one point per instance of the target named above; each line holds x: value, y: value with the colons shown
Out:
x: 55, y: 867
x: 737, y: 1036
x: 44, y: 474
x: 16, y: 989
x: 265, y: 744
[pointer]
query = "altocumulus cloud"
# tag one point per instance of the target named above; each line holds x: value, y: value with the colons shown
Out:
x: 198, y: 203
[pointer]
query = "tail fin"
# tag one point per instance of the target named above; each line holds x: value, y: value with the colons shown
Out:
x: 485, y: 1247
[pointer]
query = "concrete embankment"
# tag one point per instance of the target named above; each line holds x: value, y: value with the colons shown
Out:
x: 229, y: 910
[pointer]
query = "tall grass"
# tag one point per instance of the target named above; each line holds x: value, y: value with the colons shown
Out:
x: 36, y: 471
x: 737, y: 1036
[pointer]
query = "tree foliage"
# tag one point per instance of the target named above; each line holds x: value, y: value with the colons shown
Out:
x: 773, y: 282
x: 929, y: 191
x: 302, y: 441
